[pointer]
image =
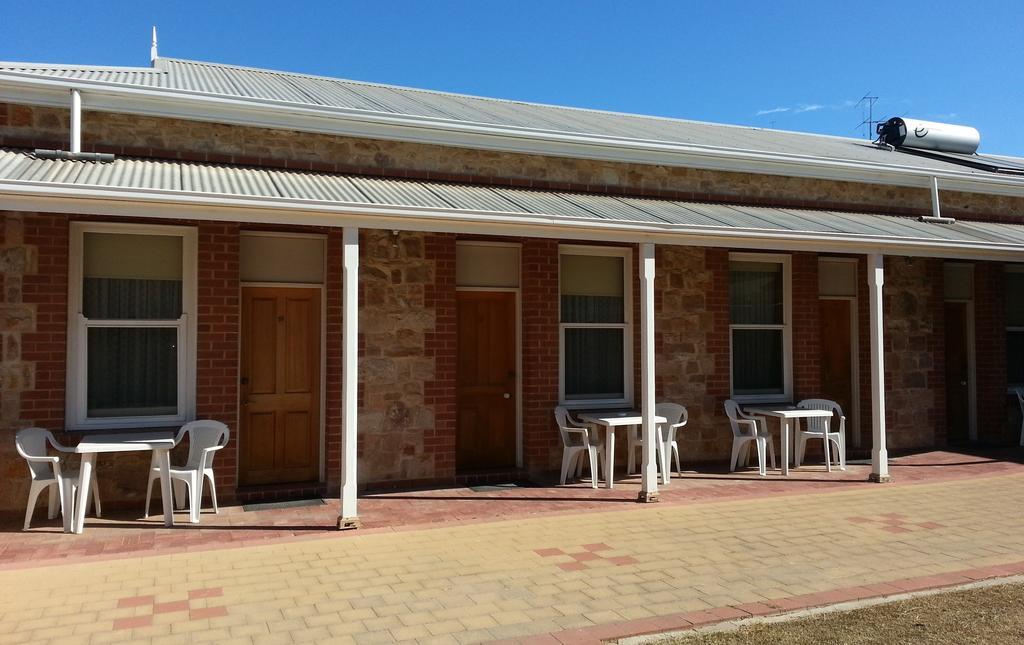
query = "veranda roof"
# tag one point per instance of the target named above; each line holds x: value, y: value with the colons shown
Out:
x: 334, y: 199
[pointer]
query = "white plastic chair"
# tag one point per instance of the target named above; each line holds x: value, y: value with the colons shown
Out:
x: 820, y: 428
x: 676, y: 417
x: 747, y: 429
x: 1020, y: 401
x: 204, y: 438
x: 577, y: 440
x: 48, y: 472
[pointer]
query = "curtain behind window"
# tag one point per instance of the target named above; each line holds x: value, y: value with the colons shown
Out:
x: 756, y: 298
x: 592, y: 294
x: 132, y: 370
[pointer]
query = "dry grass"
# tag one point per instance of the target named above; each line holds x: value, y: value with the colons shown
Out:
x: 988, y: 615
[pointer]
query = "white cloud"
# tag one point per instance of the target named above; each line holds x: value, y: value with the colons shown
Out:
x: 814, y: 107
x: 772, y: 111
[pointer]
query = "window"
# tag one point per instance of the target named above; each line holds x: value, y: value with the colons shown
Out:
x: 760, y: 337
x: 1015, y: 325
x: 595, y: 325
x: 131, y: 331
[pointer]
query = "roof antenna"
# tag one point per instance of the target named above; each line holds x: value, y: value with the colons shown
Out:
x: 867, y: 104
x: 152, y: 48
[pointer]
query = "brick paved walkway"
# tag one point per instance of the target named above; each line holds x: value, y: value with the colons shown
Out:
x: 121, y: 533
x: 570, y: 577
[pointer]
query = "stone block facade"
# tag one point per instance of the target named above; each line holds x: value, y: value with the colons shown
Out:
x: 408, y: 350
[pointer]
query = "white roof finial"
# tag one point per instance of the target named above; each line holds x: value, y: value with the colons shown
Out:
x: 152, y: 48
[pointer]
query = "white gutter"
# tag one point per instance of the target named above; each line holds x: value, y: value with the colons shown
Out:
x: 134, y: 202
x: 162, y: 102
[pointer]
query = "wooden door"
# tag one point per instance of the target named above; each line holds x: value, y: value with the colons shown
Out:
x: 837, y: 356
x: 279, y: 432
x: 486, y: 380
x: 957, y: 373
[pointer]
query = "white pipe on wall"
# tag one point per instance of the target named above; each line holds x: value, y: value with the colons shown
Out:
x: 76, y: 121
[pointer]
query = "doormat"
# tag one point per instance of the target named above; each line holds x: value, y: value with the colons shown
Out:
x: 493, y: 487
x: 268, y: 506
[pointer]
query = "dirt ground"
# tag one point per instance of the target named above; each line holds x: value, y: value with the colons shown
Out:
x: 986, y: 616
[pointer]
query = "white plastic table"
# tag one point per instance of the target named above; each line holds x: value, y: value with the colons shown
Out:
x: 786, y: 414
x: 160, y: 442
x: 609, y: 421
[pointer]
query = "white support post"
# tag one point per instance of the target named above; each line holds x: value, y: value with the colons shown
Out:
x: 649, y: 469
x: 76, y: 121
x: 349, y: 518
x: 879, y: 455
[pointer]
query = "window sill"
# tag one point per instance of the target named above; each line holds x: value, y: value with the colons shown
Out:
x: 98, y: 429
x: 597, y: 405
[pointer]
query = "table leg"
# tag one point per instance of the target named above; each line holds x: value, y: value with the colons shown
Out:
x: 828, y: 457
x: 664, y: 454
x: 195, y: 498
x: 84, y: 486
x: 163, y: 457
x: 785, y: 426
x: 609, y: 456
x: 67, y: 505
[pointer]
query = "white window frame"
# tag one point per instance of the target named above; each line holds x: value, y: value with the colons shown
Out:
x: 786, y: 327
x: 77, y: 373
x: 626, y: 253
x: 1012, y: 268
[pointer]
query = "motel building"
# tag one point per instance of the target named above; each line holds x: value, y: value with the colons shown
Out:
x: 382, y: 287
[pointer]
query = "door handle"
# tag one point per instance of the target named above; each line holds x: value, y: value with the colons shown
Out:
x: 506, y: 395
x: 963, y: 382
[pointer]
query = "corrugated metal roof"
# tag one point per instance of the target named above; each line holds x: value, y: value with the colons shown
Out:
x: 468, y: 200
x: 317, y: 91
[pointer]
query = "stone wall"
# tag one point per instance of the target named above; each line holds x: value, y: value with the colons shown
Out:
x: 914, y: 367
x: 25, y: 126
x: 399, y: 435
x: 689, y: 316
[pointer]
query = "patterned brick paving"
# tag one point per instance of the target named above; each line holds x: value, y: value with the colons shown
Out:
x: 484, y: 580
x: 117, y: 535
x: 185, y: 608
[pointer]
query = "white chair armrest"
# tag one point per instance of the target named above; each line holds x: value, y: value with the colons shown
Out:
x: 59, y: 447
x: 42, y: 460
x: 748, y: 422
x: 677, y: 425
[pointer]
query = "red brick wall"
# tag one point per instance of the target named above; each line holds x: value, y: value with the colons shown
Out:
x: 717, y: 338
x: 864, y: 357
x: 217, y: 351
x: 539, y: 288
x: 333, y: 361
x: 806, y: 327
x: 440, y: 344
x: 46, y: 347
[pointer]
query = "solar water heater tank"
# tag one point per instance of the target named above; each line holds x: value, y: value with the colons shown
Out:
x: 929, y: 135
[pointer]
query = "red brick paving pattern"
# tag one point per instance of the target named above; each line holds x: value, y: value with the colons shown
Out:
x: 174, y: 606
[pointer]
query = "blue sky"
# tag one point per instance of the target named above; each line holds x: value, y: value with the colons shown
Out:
x: 784, y: 64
